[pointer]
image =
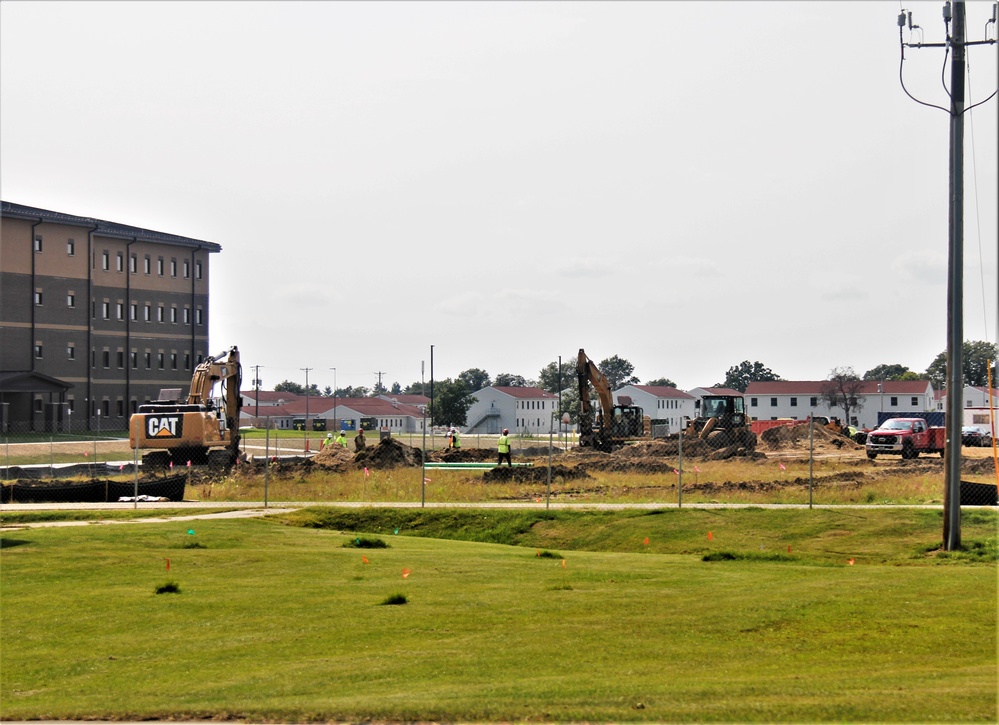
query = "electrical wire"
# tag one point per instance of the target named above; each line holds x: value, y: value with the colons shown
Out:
x: 978, y: 222
x: 901, y: 78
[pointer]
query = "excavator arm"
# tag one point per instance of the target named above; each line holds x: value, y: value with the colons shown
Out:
x: 227, y: 368
x: 589, y: 375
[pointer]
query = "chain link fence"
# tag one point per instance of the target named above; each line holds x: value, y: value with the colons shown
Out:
x: 795, y: 462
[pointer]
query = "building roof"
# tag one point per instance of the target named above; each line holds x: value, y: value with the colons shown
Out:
x: 659, y: 391
x: 815, y: 387
x: 719, y: 391
x: 406, y: 399
x: 103, y: 228
x: 271, y: 396
x: 517, y: 391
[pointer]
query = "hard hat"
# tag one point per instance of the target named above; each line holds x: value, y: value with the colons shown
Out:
x: 505, y: 431
x: 329, y: 435
x: 344, y: 432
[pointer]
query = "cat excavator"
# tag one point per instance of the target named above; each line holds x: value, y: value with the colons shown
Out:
x: 199, y: 430
x: 613, y: 424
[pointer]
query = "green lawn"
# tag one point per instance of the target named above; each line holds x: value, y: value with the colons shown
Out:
x: 283, y: 620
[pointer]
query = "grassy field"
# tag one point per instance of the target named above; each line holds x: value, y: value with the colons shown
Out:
x: 505, y: 615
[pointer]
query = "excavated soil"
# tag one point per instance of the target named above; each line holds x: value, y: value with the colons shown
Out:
x: 532, y: 474
x: 389, y: 453
x: 796, y: 436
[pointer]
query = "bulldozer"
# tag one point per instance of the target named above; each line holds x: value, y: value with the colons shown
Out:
x: 199, y: 430
x: 613, y: 424
x: 722, y: 422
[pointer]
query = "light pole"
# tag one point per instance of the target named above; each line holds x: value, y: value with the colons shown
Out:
x: 306, y: 426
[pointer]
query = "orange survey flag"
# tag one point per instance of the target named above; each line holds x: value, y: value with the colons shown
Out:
x: 364, y: 559
x: 711, y: 536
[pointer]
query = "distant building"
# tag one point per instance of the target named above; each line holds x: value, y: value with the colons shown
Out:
x: 96, y: 317
x: 521, y: 409
x: 797, y: 399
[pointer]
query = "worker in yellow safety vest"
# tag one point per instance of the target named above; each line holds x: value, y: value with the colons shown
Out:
x: 342, y: 438
x: 503, y: 448
x: 453, y: 441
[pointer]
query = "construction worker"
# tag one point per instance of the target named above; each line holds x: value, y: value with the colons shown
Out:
x: 342, y: 438
x: 452, y: 439
x: 359, y: 441
x: 503, y: 448
x: 327, y: 442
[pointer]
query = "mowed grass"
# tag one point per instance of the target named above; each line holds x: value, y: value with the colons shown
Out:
x: 278, y: 620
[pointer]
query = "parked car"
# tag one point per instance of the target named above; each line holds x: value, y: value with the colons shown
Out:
x: 974, y: 436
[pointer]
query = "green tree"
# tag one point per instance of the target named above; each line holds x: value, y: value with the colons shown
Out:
x: 740, y: 376
x: 548, y: 378
x: 618, y: 371
x: 288, y: 386
x: 508, y: 380
x: 328, y: 392
x: 417, y: 388
x: 661, y: 382
x: 974, y: 364
x: 475, y: 378
x: 842, y: 390
x: 893, y: 371
x: 396, y: 389
x: 352, y: 392
x: 452, y: 399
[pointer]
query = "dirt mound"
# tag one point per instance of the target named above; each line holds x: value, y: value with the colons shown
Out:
x: 389, y: 453
x: 462, y: 455
x: 796, y: 436
x: 334, y: 458
x: 532, y: 474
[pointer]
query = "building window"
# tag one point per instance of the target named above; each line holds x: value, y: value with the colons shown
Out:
x: 38, y: 244
x: 120, y: 264
x: 147, y: 264
x: 105, y: 408
x: 38, y: 298
x: 121, y: 359
x: 173, y: 267
x: 149, y: 360
x: 148, y: 312
x: 187, y: 361
x: 187, y: 315
x: 120, y: 310
x: 38, y: 351
x: 914, y: 401
x: 70, y: 247
x: 753, y: 402
x: 160, y: 316
x: 72, y: 404
x: 135, y: 360
x: 813, y: 401
x: 133, y: 264
x: 105, y: 261
x: 187, y: 269
x: 794, y: 402
x: 133, y: 311
x: 70, y: 299
x: 197, y: 270
x: 159, y: 360
x: 70, y: 352
x: 198, y: 318
x: 173, y: 361
x: 38, y: 405
x: 106, y: 310
x: 173, y: 315
x: 121, y: 408
x: 159, y: 266
x: 893, y: 401
x: 773, y: 402
x: 106, y: 358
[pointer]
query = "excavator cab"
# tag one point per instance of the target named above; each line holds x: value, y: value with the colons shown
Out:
x: 723, y: 421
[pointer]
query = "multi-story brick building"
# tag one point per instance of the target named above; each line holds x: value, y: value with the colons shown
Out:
x: 96, y: 317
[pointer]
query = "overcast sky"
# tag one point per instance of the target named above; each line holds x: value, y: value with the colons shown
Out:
x: 684, y: 184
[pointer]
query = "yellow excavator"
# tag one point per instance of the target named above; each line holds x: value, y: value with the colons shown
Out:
x: 613, y: 424
x: 198, y: 430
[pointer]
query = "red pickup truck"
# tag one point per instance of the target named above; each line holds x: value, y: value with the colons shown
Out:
x: 906, y: 436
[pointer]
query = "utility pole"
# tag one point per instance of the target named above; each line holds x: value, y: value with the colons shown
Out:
x: 306, y: 407
x: 256, y: 388
x: 956, y: 45
x: 379, y: 374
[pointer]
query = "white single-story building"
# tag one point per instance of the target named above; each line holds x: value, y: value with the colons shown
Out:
x: 660, y: 403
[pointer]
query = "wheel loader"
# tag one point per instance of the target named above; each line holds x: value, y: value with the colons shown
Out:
x: 722, y: 422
